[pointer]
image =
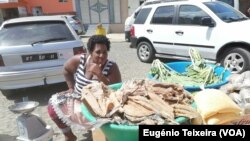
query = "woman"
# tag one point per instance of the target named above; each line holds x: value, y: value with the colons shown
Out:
x: 64, y: 109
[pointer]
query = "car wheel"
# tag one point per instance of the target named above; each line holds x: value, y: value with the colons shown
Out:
x: 238, y: 60
x: 145, y: 52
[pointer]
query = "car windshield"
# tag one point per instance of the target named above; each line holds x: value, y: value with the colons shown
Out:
x: 225, y: 12
x: 32, y: 32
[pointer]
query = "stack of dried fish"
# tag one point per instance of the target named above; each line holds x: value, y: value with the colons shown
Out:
x: 139, y: 102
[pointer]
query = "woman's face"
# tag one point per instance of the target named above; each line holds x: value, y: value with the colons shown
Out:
x: 100, y: 54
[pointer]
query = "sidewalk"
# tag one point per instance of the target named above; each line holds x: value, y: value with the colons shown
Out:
x: 113, y: 37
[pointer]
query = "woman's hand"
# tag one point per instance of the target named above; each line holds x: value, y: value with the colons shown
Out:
x: 95, y: 69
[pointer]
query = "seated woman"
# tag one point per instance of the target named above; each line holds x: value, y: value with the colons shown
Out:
x: 79, y: 71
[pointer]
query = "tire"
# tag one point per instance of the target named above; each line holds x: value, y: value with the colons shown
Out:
x: 238, y: 60
x: 145, y: 52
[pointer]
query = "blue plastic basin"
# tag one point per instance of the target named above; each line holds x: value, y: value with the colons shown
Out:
x: 181, y: 68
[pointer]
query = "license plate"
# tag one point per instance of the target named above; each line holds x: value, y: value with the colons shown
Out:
x: 39, y: 57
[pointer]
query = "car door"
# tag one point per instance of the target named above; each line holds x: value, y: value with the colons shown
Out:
x: 160, y: 30
x: 189, y: 32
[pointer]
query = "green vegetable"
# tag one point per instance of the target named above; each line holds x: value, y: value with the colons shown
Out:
x: 197, y: 74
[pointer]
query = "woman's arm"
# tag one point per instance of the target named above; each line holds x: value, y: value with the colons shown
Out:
x: 114, y: 75
x: 70, y: 67
x: 96, y: 69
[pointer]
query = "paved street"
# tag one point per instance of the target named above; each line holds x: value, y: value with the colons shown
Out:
x: 130, y: 67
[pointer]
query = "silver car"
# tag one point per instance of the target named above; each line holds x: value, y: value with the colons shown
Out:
x: 33, y: 51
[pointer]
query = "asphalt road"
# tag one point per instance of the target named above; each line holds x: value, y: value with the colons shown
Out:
x: 130, y: 68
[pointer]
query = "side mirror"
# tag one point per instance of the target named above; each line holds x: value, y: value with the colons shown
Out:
x: 207, y: 21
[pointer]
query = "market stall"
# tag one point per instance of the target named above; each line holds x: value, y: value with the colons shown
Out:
x: 175, y: 93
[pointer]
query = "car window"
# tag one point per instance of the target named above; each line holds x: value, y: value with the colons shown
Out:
x: 163, y: 15
x: 30, y: 32
x: 144, y: 4
x: 225, y: 12
x: 191, y: 15
x: 142, y: 16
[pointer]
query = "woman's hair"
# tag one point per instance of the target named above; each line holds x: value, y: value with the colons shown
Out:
x: 97, y: 39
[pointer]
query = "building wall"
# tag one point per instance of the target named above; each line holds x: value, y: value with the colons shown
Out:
x: 1, y: 17
x: 12, y: 4
x: 119, y: 28
x: 111, y: 12
x: 51, y: 7
x: 20, y: 8
x: 114, y: 14
x: 11, y: 9
x: 126, y: 6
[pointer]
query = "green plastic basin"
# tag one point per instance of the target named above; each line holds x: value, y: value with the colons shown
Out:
x: 115, y: 132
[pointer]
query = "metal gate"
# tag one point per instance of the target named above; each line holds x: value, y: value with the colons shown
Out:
x: 99, y: 11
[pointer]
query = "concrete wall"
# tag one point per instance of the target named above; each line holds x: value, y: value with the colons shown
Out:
x: 119, y: 28
x: 1, y: 17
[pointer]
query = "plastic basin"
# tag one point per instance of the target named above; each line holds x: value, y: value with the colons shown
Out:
x: 181, y: 66
x: 115, y: 132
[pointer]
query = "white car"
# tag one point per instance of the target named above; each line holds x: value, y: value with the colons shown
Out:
x: 130, y: 19
x: 33, y: 51
x: 217, y: 30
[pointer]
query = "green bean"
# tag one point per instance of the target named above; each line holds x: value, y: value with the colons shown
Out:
x: 197, y: 74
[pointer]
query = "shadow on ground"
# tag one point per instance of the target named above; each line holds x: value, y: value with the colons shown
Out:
x: 40, y: 94
x: 4, y: 137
